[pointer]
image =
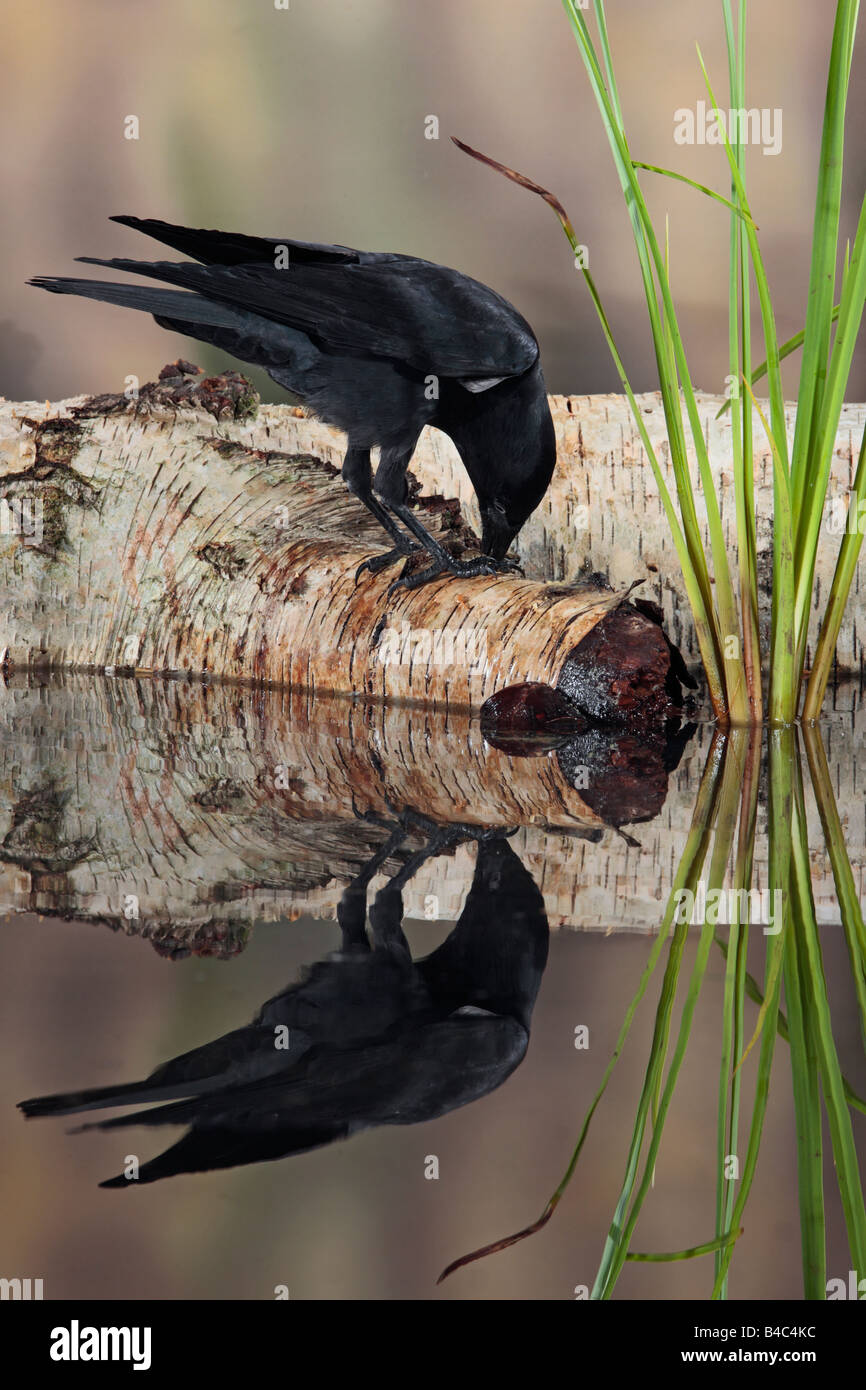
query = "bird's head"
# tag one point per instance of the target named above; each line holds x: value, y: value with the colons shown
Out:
x: 504, y: 514
x: 497, y: 529
x: 510, y: 455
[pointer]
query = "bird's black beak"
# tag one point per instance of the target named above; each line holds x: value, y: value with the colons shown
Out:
x: 496, y: 533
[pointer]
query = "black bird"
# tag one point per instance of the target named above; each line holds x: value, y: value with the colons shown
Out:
x: 378, y: 344
x: 370, y: 1037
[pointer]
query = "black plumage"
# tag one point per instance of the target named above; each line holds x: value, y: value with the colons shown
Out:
x: 372, y: 1036
x: 378, y: 344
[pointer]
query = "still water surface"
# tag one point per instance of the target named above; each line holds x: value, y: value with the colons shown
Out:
x: 175, y: 860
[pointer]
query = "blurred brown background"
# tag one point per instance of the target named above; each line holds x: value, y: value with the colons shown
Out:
x: 310, y: 123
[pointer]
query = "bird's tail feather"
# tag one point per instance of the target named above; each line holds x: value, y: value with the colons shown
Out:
x: 151, y: 299
x: 190, y: 1154
x: 205, y: 1150
x: 105, y: 1097
x: 177, y: 1112
x: 234, y: 248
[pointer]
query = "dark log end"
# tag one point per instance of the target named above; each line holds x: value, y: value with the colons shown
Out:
x: 218, y: 937
x: 622, y: 776
x: 529, y: 719
x: 623, y: 672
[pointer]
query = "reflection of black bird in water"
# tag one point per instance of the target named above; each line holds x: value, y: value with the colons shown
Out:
x: 373, y: 1037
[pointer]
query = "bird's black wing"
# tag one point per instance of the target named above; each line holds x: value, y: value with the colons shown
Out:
x: 414, y: 1074
x: 211, y: 247
x: 425, y: 316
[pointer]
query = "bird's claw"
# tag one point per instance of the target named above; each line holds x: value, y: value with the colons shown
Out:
x: 408, y: 580
x: 464, y: 569
x: 486, y: 564
x: 376, y: 563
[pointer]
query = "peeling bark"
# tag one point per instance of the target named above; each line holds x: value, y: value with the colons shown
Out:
x: 177, y: 533
x: 602, y: 512
x: 184, y: 812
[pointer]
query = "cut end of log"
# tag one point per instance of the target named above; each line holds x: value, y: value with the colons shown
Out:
x: 528, y: 720
x: 622, y: 671
x: 623, y: 776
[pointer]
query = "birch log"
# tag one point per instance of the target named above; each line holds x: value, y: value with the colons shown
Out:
x: 172, y: 534
x: 603, y: 512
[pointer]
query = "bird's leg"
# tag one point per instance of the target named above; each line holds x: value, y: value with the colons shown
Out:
x: 357, y: 475
x: 442, y: 839
x: 390, y: 482
x: 392, y: 488
x: 352, y: 907
x: 352, y: 917
x: 386, y: 923
x: 444, y: 562
x: 377, y: 563
x: 386, y: 910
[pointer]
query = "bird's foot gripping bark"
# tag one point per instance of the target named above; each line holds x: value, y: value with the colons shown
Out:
x: 406, y: 820
x: 377, y: 563
x: 483, y: 564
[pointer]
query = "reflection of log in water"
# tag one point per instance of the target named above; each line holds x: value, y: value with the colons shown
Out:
x: 211, y: 807
x: 201, y: 808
